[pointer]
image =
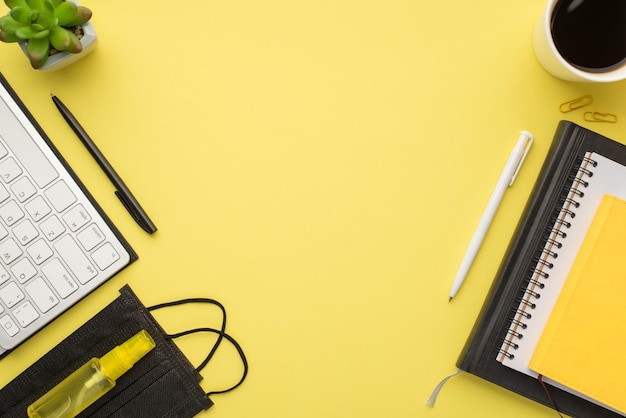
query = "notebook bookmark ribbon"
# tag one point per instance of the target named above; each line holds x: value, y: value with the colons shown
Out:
x: 545, y: 388
x: 433, y: 397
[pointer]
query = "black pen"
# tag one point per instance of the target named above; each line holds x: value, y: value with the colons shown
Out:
x: 122, y: 192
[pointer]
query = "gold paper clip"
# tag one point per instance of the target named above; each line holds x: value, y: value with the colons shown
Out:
x: 575, y: 103
x: 600, y: 117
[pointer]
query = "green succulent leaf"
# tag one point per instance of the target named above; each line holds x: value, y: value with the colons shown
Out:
x: 60, y: 38
x: 37, y: 51
x: 26, y: 32
x: 66, y: 12
x: 46, y: 21
x: 83, y: 14
x: 21, y: 14
x: 42, y: 34
x: 56, y: 3
x: 38, y: 64
x: 48, y: 7
x: 9, y: 25
x: 8, y: 37
x: 14, y: 3
x: 75, y: 46
x: 35, y: 4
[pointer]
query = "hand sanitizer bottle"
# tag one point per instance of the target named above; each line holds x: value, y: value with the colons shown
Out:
x: 92, y: 380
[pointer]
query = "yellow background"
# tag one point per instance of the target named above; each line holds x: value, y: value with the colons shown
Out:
x: 319, y: 167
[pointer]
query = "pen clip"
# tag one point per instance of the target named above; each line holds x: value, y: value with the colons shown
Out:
x: 527, y: 144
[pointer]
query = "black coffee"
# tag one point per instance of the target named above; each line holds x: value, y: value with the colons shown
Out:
x: 591, y: 34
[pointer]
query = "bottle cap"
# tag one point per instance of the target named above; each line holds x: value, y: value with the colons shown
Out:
x: 119, y: 360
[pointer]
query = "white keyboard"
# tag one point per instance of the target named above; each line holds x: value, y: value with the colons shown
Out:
x: 56, y: 245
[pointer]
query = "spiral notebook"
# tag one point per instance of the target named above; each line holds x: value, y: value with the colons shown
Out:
x: 580, y: 169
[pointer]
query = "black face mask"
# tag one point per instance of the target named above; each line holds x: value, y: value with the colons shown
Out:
x: 162, y: 384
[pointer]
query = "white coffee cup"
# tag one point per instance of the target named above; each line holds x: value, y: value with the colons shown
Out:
x: 550, y: 58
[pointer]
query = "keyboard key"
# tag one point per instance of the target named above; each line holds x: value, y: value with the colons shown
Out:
x: 52, y: 228
x: 76, y: 260
x: 9, y: 170
x: 25, y: 232
x: 4, y: 275
x: 25, y: 314
x: 41, y: 294
x: 7, y: 324
x: 76, y: 218
x: 90, y: 237
x: 11, y: 294
x: 31, y: 157
x: 23, y: 189
x: 105, y: 256
x: 3, y: 150
x: 39, y: 251
x: 37, y: 208
x: 11, y: 212
x: 59, y: 278
x: 4, y: 193
x: 60, y: 196
x: 24, y: 270
x: 3, y: 232
x: 10, y: 251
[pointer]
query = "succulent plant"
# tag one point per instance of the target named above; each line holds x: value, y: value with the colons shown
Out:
x: 43, y: 25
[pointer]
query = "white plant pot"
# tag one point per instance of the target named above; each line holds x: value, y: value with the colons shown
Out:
x: 63, y: 59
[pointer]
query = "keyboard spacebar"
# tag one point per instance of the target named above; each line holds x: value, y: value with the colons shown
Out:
x: 31, y: 157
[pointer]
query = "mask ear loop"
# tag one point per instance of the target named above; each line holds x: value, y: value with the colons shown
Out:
x: 221, y: 333
x: 233, y: 342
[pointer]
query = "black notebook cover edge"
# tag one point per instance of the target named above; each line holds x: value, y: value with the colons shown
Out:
x: 478, y: 356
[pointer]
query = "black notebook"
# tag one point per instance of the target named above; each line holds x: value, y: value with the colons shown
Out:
x: 580, y: 169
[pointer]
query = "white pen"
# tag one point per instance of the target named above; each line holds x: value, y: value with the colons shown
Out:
x: 506, y: 179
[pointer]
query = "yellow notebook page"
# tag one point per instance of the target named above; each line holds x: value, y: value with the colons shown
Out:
x: 582, y: 346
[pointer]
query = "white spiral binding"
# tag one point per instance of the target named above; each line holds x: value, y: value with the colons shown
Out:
x: 541, y: 270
